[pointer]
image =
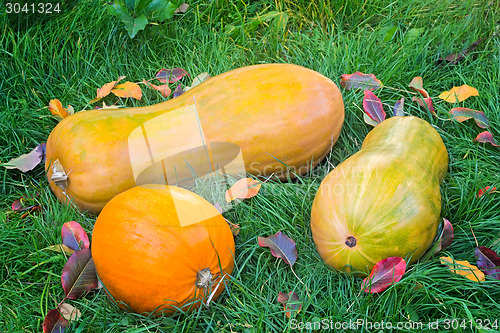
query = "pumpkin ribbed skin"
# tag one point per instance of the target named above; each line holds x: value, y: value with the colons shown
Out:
x: 384, y: 201
x: 148, y: 261
x: 274, y: 113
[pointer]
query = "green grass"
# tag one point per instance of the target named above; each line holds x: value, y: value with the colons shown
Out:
x: 69, y: 56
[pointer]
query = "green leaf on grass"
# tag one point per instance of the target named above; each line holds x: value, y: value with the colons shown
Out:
x: 161, y: 10
x: 134, y: 25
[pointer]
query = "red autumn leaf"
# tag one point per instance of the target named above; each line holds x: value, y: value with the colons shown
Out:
x: 74, y: 237
x: 485, y: 190
x: 17, y: 205
x: 29, y: 161
x: 54, y: 322
x: 462, y: 114
x: 488, y: 261
x: 426, y: 103
x: 360, y: 80
x: 417, y: 85
x: 127, y: 90
x: 383, y: 274
x: 486, y: 137
x: 244, y: 188
x: 281, y: 246
x: 447, y: 236
x: 164, y: 89
x: 372, y: 106
x: 398, y: 107
x: 171, y: 75
x: 291, y: 302
x: 106, y: 89
x: 79, y: 274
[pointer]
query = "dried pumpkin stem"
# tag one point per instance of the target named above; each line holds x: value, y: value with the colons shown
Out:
x: 350, y: 241
x: 203, y: 278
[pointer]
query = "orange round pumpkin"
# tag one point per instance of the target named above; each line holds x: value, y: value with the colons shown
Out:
x: 159, y: 248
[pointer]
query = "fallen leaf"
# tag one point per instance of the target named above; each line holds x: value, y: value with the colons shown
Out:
x: 488, y: 261
x: 17, y: 205
x: 486, y: 137
x: 29, y: 161
x: 398, y: 107
x: 383, y: 274
x: 458, y: 94
x: 244, y: 188
x: 198, y: 80
x: 106, y: 89
x: 74, y: 237
x: 463, y: 267
x: 79, y: 274
x: 56, y: 108
x: 182, y: 8
x: 281, y: 246
x: 69, y: 312
x: 447, y: 235
x: 483, y: 191
x: 372, y: 106
x: 128, y: 89
x: 369, y: 120
x: 164, y: 89
x: 360, y: 80
x: 54, y: 322
x: 61, y: 248
x: 425, y: 103
x: 106, y: 107
x: 291, y: 302
x: 178, y: 91
x: 417, y: 85
x: 456, y: 57
x: 462, y: 114
x: 32, y: 209
x: 171, y: 75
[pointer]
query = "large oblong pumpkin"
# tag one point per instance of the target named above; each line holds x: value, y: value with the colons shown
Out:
x: 159, y: 248
x: 384, y: 201
x: 269, y: 118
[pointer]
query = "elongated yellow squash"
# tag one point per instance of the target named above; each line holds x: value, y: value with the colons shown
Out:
x: 384, y: 201
x: 279, y: 119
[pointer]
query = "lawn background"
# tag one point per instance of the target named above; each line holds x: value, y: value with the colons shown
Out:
x: 70, y: 55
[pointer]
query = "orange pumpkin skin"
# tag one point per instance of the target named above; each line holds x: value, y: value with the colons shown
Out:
x: 273, y: 113
x: 384, y: 201
x: 150, y: 242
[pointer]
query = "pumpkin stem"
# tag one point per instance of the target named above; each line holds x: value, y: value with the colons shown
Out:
x: 203, y: 278
x: 350, y: 241
x: 59, y: 177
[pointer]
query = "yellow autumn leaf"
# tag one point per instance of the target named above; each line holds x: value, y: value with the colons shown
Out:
x: 243, y: 189
x: 463, y: 267
x: 56, y: 108
x: 459, y: 94
x: 106, y: 89
x: 128, y: 89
